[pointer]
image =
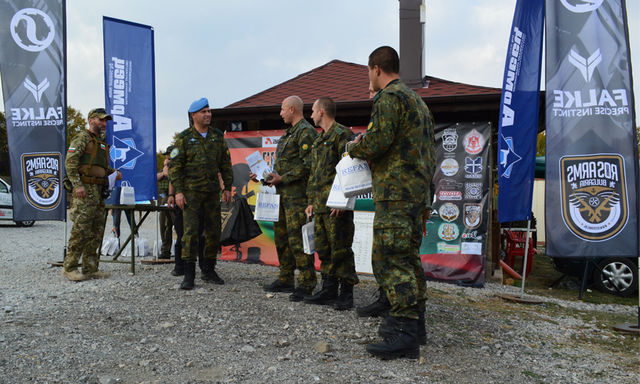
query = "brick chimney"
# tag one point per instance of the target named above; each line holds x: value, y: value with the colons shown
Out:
x: 411, y: 42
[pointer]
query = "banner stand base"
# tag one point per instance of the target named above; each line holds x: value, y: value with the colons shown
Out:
x: 518, y: 299
x: 627, y: 328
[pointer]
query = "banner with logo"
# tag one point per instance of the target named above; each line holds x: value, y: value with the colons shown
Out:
x: 129, y: 79
x: 519, y: 105
x: 33, y: 70
x: 456, y: 243
x: 592, y: 164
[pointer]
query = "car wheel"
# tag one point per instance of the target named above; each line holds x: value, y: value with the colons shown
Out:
x: 617, y: 276
x: 27, y: 223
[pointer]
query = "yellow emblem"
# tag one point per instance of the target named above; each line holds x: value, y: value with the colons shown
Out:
x: 305, y: 146
x: 370, y: 125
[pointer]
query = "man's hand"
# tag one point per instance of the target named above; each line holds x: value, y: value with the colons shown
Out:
x: 119, y: 175
x: 181, y: 201
x: 80, y: 192
x: 253, y: 177
x: 274, y: 179
x: 309, y: 210
x: 226, y: 197
x: 355, y: 141
x: 336, y: 212
x: 171, y: 201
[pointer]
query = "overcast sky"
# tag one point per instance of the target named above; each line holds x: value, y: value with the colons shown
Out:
x: 228, y: 50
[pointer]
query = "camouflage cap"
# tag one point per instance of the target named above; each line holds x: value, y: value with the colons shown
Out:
x: 169, y: 149
x: 100, y: 113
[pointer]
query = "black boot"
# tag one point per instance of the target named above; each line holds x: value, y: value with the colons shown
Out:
x: 386, y: 328
x: 189, y: 276
x: 380, y: 307
x: 278, y: 286
x: 345, y: 298
x: 178, y: 269
x: 327, y: 295
x: 402, y: 342
x: 208, y: 268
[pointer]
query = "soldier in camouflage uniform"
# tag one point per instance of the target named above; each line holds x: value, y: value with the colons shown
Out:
x: 399, y: 143
x: 200, y: 152
x: 166, y: 219
x: 333, y: 227
x: 86, y: 165
x: 291, y: 172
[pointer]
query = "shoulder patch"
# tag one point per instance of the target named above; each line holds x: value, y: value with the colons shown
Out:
x: 174, y: 153
x: 71, y: 150
x: 305, y: 147
x: 370, y: 125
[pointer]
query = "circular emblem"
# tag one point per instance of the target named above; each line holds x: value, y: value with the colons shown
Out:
x: 448, y: 231
x: 581, y: 6
x: 174, y: 153
x: 449, y: 212
x: 32, y: 29
x: 305, y: 146
x: 449, y: 167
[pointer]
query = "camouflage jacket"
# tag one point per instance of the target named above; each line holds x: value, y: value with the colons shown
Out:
x: 77, y: 149
x: 326, y: 151
x: 163, y: 186
x: 293, y: 160
x: 400, y: 145
x: 196, y: 161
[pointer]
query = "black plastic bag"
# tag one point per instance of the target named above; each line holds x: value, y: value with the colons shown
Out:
x: 238, y: 224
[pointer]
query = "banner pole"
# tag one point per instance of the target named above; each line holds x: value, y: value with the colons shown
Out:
x: 526, y: 256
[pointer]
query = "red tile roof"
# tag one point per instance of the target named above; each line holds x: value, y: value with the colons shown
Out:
x: 347, y: 82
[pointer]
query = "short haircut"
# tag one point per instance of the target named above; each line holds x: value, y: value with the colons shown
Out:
x: 328, y: 105
x: 386, y: 58
x: 295, y: 102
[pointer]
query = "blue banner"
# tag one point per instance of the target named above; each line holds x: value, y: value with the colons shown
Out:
x: 129, y: 80
x: 518, y: 123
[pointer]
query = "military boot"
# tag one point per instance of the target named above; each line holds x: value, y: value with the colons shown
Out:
x: 99, y: 275
x: 189, y: 276
x: 386, y: 328
x: 345, y: 298
x: 178, y: 269
x: 402, y: 342
x: 379, y: 307
x: 209, y: 272
x: 327, y: 295
x: 74, y: 275
x: 278, y: 286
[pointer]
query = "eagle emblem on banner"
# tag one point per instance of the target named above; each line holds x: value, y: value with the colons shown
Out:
x: 41, y: 179
x: 594, y: 198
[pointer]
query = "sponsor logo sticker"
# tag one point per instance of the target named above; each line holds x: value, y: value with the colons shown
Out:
x: 41, y: 179
x: 473, y: 191
x: 449, y: 167
x: 448, y: 248
x: 449, y: 212
x: 594, y: 195
x: 473, y: 142
x: 32, y: 29
x: 473, y: 168
x: 270, y: 141
x: 448, y: 231
x: 450, y: 139
x: 449, y: 195
x: 472, y: 215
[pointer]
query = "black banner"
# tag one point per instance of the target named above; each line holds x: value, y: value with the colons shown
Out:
x: 33, y: 69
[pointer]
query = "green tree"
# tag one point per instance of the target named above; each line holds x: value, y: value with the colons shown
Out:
x: 541, y: 145
x: 75, y: 123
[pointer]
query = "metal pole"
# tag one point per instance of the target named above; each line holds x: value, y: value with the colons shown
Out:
x: 526, y: 256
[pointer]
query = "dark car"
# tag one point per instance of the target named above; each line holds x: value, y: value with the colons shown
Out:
x: 615, y: 275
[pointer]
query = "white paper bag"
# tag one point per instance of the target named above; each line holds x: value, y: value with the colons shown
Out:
x: 354, y: 175
x: 308, y: 239
x: 142, y: 247
x: 337, y: 199
x: 110, y: 246
x: 267, y: 207
x: 127, y: 194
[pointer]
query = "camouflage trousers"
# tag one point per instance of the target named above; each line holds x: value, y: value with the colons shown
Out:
x: 333, y: 240
x: 166, y: 230
x: 202, y: 213
x: 88, y: 216
x: 288, y: 237
x: 397, y: 234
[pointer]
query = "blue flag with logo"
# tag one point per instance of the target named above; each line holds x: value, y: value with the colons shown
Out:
x: 129, y: 79
x: 518, y: 122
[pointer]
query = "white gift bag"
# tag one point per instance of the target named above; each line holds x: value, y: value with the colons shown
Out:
x: 337, y: 199
x: 142, y: 247
x: 109, y: 245
x: 267, y: 207
x: 308, y: 239
x: 127, y: 194
x: 354, y: 175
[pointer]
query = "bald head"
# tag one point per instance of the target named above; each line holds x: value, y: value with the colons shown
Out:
x: 291, y: 110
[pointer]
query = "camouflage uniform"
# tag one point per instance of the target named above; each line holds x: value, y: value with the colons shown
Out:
x: 333, y: 235
x: 399, y: 143
x: 166, y: 220
x: 292, y: 164
x: 88, y: 214
x: 195, y: 163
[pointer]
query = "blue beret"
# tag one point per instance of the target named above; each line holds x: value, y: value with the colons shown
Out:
x: 198, y: 105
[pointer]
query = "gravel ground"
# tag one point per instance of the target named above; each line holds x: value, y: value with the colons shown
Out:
x: 144, y: 329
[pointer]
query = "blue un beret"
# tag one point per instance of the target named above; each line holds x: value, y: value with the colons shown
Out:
x: 198, y: 105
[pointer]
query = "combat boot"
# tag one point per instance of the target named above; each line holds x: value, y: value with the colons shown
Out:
x: 380, y: 307
x: 345, y: 298
x: 402, y: 342
x: 298, y: 294
x: 209, y: 272
x: 386, y: 328
x: 189, y: 276
x: 178, y: 269
x: 99, y: 275
x: 278, y: 286
x: 74, y: 275
x: 327, y: 295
